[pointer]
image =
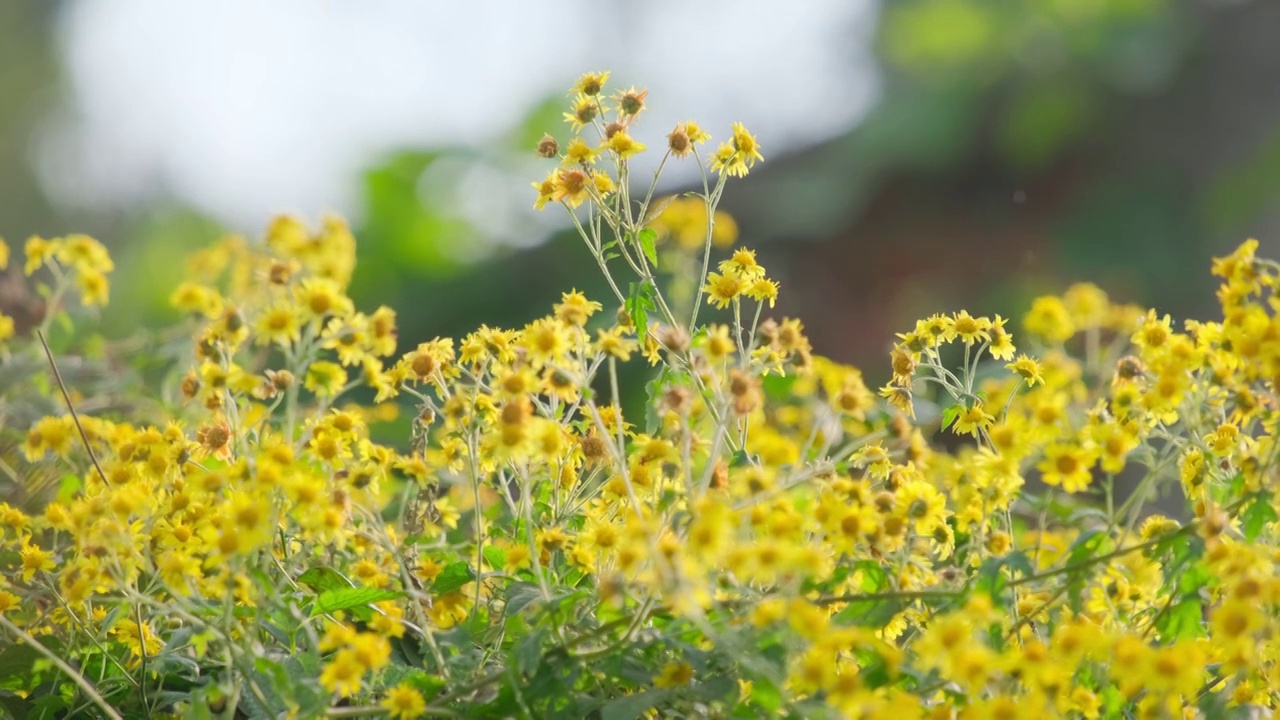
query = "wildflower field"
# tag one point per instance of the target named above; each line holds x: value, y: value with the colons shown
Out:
x: 769, y: 537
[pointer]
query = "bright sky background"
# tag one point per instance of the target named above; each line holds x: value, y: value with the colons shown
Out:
x: 245, y: 108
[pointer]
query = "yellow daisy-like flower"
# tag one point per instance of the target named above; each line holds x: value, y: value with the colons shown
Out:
x: 1028, y: 369
x: 727, y: 160
x: 574, y: 308
x: 570, y: 187
x: 743, y: 264
x: 899, y: 397
x: 579, y: 153
x: 546, y: 190
x: 325, y: 378
x: 342, y: 674
x: 1068, y: 466
x: 746, y: 146
x: 722, y: 289
x: 590, y: 84
x: 34, y: 559
x: 674, y: 674
x: 624, y: 145
x: 583, y: 111
x: 279, y: 324
x: 972, y: 420
x: 4, y: 254
x: 630, y: 101
x: 1001, y: 347
x: 762, y: 289
x: 39, y: 252
x: 404, y: 702
x: 968, y: 328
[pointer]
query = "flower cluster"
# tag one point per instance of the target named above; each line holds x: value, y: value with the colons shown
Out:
x: 314, y: 516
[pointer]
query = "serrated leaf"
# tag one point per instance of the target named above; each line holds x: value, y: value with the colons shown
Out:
x: 454, y: 576
x: 638, y: 305
x: 351, y: 598
x: 648, y: 239
x: 322, y: 578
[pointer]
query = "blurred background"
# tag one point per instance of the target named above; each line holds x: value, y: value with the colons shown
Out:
x: 922, y: 155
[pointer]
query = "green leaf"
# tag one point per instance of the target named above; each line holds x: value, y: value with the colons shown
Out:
x: 949, y: 416
x: 869, y: 613
x: 68, y: 487
x: 638, y: 305
x: 993, y: 580
x: 630, y: 707
x: 322, y: 578
x: 351, y: 598
x: 495, y: 556
x: 16, y: 666
x: 653, y: 390
x: 454, y: 576
x: 520, y: 595
x: 1183, y: 620
x: 648, y: 239
x: 778, y: 387
x: 1256, y: 517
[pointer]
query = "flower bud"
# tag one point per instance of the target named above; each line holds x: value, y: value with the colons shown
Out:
x: 548, y: 147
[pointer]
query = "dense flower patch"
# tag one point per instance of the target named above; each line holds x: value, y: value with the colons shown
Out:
x: 770, y: 537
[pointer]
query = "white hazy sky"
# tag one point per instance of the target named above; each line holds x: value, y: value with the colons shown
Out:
x: 245, y: 108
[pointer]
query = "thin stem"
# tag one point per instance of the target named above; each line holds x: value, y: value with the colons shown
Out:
x: 70, y: 407
x: 62, y: 665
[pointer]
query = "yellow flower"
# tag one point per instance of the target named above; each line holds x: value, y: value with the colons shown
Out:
x: 546, y: 190
x: 574, y: 308
x: 972, y: 420
x: 579, y: 153
x: 722, y: 289
x: 584, y: 109
x: 614, y: 343
x: 34, y: 559
x: 39, y: 252
x: 4, y: 254
x: 1028, y: 369
x: 899, y: 397
x: 325, y: 378
x: 404, y: 703
x: 342, y: 674
x: 630, y: 101
x: 968, y: 328
x: 1067, y: 465
x: 6, y: 327
x: 746, y: 146
x: 570, y: 187
x: 279, y: 324
x: 1049, y: 319
x: 762, y: 289
x: 623, y: 144
x: 1001, y: 347
x: 727, y: 160
x: 743, y: 264
x: 674, y: 674
x: 590, y: 84
x: 93, y: 286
